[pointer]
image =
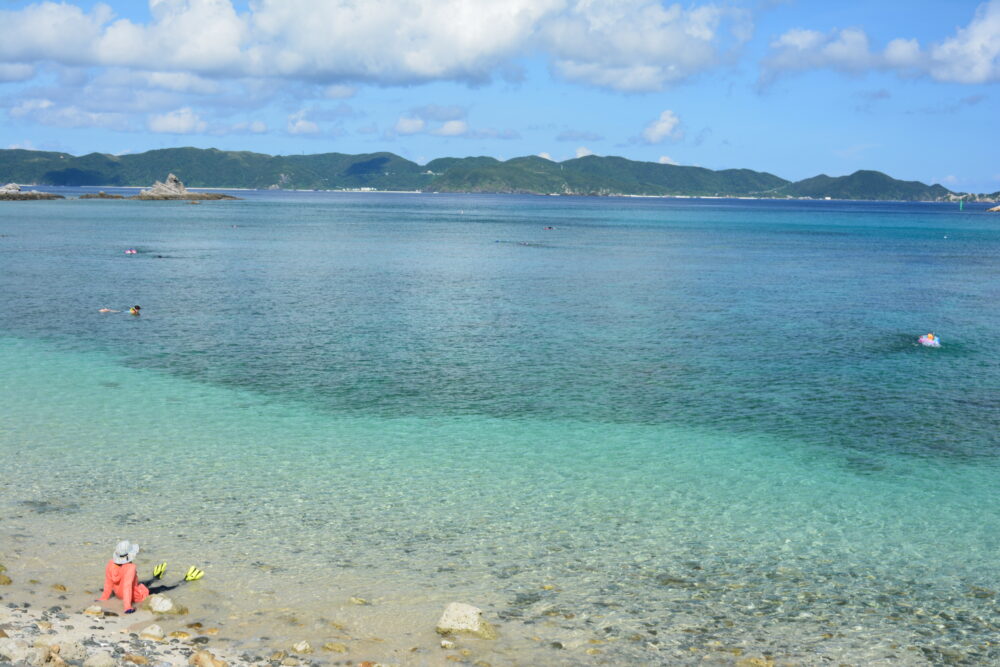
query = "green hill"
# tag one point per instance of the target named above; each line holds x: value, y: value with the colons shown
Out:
x: 863, y: 185
x: 594, y: 175
x: 590, y: 175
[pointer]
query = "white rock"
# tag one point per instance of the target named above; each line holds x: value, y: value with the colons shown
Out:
x: 94, y: 610
x: 14, y: 650
x: 72, y: 651
x: 447, y: 644
x: 10, y: 189
x: 153, y: 632
x: 302, y: 647
x: 171, y: 187
x: 100, y: 659
x: 161, y: 604
x: 37, y: 656
x: 466, y: 619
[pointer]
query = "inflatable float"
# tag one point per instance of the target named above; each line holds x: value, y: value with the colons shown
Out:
x: 929, y: 340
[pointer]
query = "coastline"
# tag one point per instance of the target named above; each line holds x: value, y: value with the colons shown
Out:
x: 55, y: 623
x: 200, y: 190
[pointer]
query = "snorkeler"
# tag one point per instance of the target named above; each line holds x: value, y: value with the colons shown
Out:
x: 134, y: 310
x: 120, y: 577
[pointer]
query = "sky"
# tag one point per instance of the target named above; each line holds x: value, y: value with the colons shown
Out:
x: 792, y: 87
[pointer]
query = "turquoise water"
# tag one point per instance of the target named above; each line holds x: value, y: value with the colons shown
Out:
x: 674, y: 427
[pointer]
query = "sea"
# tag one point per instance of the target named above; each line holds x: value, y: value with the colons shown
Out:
x: 635, y: 431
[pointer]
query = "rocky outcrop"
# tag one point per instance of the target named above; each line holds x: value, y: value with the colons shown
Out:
x: 13, y: 192
x: 101, y: 195
x: 172, y: 189
x: 995, y: 209
x: 465, y: 619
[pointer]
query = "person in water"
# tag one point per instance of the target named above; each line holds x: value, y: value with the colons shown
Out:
x: 121, y: 579
x: 134, y: 310
x: 929, y: 340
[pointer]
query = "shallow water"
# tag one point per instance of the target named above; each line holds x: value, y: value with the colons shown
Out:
x: 677, y: 428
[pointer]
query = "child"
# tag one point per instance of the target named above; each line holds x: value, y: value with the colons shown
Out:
x: 121, y: 579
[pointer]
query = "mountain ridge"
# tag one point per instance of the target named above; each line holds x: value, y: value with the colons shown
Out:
x: 589, y: 175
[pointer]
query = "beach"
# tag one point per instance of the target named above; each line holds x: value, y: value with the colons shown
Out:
x: 611, y: 425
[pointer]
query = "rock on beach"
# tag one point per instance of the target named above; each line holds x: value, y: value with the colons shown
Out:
x: 463, y: 618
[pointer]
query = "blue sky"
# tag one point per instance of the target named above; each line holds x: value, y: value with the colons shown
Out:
x: 793, y: 87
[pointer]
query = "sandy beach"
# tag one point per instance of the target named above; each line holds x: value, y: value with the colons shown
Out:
x: 46, y: 623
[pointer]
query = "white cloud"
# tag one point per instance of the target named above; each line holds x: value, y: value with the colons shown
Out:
x: 625, y: 45
x: 409, y: 125
x: 299, y: 124
x: 546, y: 156
x: 971, y: 55
x: 46, y: 112
x: 16, y: 72
x: 640, y: 45
x: 30, y: 106
x: 180, y: 121
x: 666, y: 159
x: 583, y: 151
x: 452, y: 128
x: 664, y: 127
x: 439, y: 113
x: 24, y: 145
x: 339, y: 92
x: 253, y: 127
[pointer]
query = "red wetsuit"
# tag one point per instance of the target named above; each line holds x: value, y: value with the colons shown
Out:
x: 123, y: 582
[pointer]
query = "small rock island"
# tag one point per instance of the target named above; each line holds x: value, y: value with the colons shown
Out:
x: 173, y: 189
x: 13, y: 192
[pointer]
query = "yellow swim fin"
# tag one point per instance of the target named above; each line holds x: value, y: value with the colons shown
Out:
x: 194, y: 574
x: 159, y: 570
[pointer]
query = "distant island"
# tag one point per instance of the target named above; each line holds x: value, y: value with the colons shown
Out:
x: 591, y: 175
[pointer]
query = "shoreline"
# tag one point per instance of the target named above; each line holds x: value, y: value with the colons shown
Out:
x: 46, y: 623
x: 199, y: 190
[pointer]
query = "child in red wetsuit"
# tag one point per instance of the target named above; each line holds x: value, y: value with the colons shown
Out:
x: 121, y: 579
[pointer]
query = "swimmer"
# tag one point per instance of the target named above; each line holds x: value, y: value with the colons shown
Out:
x: 134, y: 310
x: 108, y: 310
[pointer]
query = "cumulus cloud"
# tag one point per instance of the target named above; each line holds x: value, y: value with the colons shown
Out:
x: 641, y: 45
x: 180, y: 121
x: 30, y: 106
x: 299, y: 124
x: 663, y: 128
x: 46, y: 112
x: 452, y: 128
x: 971, y: 55
x: 409, y: 125
x: 666, y: 159
x: 628, y: 45
x: 583, y: 151
x: 545, y: 155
